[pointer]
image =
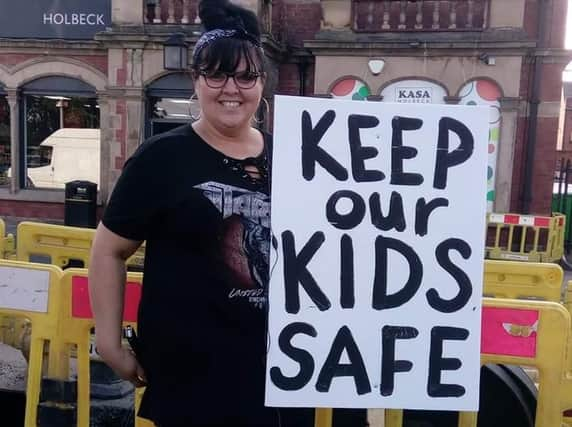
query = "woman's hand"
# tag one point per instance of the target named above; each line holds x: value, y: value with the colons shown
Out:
x: 125, y: 365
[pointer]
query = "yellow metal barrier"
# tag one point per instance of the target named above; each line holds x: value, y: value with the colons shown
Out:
x: 541, y: 344
x: 65, y: 246
x: 506, y: 279
x: 567, y: 392
x: 502, y: 279
x: 547, y: 339
x: 323, y: 417
x: 60, y: 243
x: 7, y: 242
x: 31, y: 291
x: 2, y: 238
x: 525, y: 237
x: 76, y: 323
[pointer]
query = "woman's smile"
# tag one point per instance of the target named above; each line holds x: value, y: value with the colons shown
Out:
x: 230, y: 104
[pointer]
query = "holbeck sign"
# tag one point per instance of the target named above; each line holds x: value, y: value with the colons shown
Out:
x: 378, y: 213
x: 62, y: 19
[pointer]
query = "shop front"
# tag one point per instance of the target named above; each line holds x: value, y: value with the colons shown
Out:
x: 4, y: 138
x: 442, y: 83
x: 52, y: 77
x: 54, y: 147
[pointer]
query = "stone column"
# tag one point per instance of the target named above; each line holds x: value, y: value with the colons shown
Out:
x: 135, y: 120
x: 127, y: 12
x: 336, y: 14
x: 505, y: 160
x: 106, y: 138
x: 13, y: 103
x: 125, y: 110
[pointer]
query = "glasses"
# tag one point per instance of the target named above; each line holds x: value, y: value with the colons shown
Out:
x: 242, y: 79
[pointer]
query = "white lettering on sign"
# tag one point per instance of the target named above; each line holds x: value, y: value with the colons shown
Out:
x: 417, y: 95
x: 91, y: 19
x: 378, y: 212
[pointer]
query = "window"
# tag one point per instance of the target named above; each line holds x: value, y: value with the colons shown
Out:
x: 485, y: 92
x: 350, y: 88
x: 60, y: 132
x: 5, y: 155
x: 168, y: 104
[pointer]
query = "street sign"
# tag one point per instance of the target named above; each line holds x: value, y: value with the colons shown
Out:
x: 54, y: 19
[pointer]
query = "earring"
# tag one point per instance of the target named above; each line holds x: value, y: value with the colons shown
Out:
x: 191, y: 102
x: 265, y: 113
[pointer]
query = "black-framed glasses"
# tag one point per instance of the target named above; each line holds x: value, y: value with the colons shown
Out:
x: 242, y: 79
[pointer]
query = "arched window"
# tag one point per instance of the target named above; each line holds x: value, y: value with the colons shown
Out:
x: 414, y: 91
x: 5, y: 157
x: 168, y: 104
x: 350, y: 88
x: 486, y: 92
x: 60, y: 133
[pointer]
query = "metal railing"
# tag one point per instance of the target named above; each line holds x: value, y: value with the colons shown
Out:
x: 171, y: 12
x: 419, y: 15
x: 185, y: 12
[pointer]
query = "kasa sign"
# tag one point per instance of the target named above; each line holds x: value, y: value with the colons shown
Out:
x: 55, y: 19
x: 378, y: 218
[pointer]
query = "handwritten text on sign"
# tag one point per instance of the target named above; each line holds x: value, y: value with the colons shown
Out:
x: 379, y: 215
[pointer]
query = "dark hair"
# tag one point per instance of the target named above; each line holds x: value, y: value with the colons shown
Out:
x: 225, y: 53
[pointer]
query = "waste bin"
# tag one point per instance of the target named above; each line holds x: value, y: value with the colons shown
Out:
x: 81, y: 204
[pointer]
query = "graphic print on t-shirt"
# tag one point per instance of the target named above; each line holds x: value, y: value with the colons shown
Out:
x: 243, y: 240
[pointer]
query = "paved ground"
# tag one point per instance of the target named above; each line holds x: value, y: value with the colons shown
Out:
x: 12, y: 369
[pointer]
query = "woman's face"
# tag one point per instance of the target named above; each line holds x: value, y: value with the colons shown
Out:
x: 229, y: 106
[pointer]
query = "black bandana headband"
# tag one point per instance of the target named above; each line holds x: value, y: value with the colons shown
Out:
x: 212, y: 35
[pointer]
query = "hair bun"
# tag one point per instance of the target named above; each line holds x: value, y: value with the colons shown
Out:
x: 224, y: 15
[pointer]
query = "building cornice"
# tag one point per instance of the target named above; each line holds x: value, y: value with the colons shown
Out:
x: 500, y: 42
x: 43, y: 46
x: 154, y: 36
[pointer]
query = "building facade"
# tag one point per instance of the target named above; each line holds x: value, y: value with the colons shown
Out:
x: 102, y: 67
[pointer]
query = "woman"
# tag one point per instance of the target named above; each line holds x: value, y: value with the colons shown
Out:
x: 199, y: 197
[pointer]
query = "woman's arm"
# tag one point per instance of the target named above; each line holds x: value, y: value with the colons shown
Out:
x: 107, y: 289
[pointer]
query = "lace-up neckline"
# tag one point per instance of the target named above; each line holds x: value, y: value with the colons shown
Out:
x: 252, y: 169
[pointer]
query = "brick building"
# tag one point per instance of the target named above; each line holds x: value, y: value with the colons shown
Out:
x: 507, y: 54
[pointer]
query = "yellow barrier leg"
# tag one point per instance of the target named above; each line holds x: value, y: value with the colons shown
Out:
x: 83, y: 380
x: 468, y: 419
x: 393, y: 418
x: 323, y: 417
x: 34, y: 382
x: 140, y: 422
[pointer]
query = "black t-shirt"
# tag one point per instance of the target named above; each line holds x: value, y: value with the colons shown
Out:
x: 202, y: 316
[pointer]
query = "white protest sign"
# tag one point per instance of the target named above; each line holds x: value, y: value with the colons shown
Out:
x: 378, y: 211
